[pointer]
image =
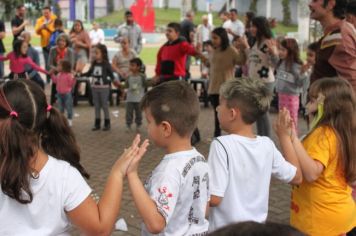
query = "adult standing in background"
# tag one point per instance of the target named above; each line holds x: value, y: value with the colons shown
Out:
x: 204, y: 31
x: 187, y: 31
x: 234, y: 27
x: 224, y: 17
x: 44, y: 28
x: 2, y: 48
x: 81, y: 45
x: 335, y: 55
x: 222, y: 67
x: 96, y: 35
x: 132, y: 31
x: 19, y: 23
x: 121, y: 61
x: 262, y: 61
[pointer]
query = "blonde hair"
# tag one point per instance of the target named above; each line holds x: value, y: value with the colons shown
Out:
x: 251, y: 96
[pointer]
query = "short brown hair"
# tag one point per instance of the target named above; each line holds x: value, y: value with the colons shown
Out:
x: 175, y: 102
x: 251, y: 96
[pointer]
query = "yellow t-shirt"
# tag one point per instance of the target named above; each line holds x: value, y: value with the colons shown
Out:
x: 45, y: 33
x: 324, y: 207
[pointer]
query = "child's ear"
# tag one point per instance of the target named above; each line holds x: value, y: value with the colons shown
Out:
x: 234, y: 113
x: 166, y: 129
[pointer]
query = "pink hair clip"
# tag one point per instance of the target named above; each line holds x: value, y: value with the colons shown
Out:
x: 49, y: 108
x: 14, y: 114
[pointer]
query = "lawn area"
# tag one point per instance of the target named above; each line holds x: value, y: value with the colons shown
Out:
x: 164, y: 16
x: 8, y: 41
x: 149, y: 55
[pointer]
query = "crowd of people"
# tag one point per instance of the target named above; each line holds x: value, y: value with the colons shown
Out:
x: 43, y: 187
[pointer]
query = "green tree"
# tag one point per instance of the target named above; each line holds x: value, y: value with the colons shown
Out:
x: 287, y: 19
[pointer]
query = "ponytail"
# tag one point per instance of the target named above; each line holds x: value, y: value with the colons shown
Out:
x: 58, y: 140
x: 16, y: 148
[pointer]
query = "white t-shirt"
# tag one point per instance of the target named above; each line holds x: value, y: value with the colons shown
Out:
x: 240, y: 173
x: 237, y: 27
x: 97, y: 36
x: 179, y: 186
x: 60, y: 188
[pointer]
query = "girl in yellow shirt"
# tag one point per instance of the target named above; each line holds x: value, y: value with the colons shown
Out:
x: 323, y: 204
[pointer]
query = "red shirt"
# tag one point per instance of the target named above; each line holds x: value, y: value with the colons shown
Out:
x: 171, y: 58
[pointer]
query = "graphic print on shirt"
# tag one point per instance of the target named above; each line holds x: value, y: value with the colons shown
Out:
x: 191, y: 218
x: 263, y: 73
x: 97, y: 74
x: 206, y: 180
x: 163, y: 198
x: 196, y: 185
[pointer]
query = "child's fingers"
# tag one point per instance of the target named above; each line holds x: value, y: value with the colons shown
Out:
x: 143, y: 148
x: 136, y: 140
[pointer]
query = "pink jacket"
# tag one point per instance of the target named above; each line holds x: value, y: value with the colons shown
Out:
x: 17, y: 64
x: 64, y: 82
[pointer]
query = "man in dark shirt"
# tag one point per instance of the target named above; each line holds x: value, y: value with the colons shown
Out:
x: 187, y: 31
x: 2, y: 48
x: 18, y: 24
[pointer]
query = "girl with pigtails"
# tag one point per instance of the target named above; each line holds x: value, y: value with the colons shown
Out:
x: 41, y: 178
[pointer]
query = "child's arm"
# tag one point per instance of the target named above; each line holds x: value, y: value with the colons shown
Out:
x: 147, y: 208
x: 155, y: 214
x: 310, y: 167
x: 219, y: 172
x: 283, y: 129
x: 99, y: 219
x: 4, y: 58
x: 89, y: 72
x: 34, y: 66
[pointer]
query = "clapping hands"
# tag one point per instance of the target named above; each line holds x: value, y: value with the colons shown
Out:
x: 272, y: 46
x: 130, y: 158
x: 283, y: 125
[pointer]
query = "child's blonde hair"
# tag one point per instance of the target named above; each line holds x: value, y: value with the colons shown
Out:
x: 251, y: 96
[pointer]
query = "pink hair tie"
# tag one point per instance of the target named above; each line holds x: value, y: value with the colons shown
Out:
x: 49, y: 108
x: 14, y: 114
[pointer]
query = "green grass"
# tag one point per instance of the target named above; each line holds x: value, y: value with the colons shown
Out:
x: 164, y: 16
x: 8, y: 42
x: 149, y: 55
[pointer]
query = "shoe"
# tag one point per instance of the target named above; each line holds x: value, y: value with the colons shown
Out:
x: 70, y: 122
x: 106, y: 125
x: 96, y: 125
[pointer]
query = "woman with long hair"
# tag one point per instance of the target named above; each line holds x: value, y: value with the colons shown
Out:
x: 222, y: 64
x: 262, y: 60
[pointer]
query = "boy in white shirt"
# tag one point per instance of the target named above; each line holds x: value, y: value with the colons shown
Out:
x: 241, y: 163
x: 175, y: 196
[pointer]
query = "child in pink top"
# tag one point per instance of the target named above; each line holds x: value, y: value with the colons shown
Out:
x: 64, y: 81
x: 18, y: 59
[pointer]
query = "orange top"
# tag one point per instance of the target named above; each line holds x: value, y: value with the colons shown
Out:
x: 325, y: 206
x: 45, y: 33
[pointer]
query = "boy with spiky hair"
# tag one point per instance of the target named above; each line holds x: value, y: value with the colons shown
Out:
x: 241, y: 163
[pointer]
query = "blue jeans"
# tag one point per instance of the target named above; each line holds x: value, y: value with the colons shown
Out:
x: 65, y: 102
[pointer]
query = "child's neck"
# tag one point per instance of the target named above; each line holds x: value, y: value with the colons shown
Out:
x: 135, y: 72
x: 99, y: 60
x: 178, y: 145
x: 242, y: 130
x: 39, y: 160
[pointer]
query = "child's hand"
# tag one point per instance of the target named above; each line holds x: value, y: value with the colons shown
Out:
x: 283, y: 125
x: 122, y: 164
x: 136, y: 160
x: 272, y: 46
x: 305, y: 68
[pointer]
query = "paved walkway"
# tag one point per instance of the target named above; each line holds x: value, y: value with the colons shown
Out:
x: 100, y: 150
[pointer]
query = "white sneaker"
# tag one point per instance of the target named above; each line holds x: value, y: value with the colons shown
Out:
x: 70, y: 123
